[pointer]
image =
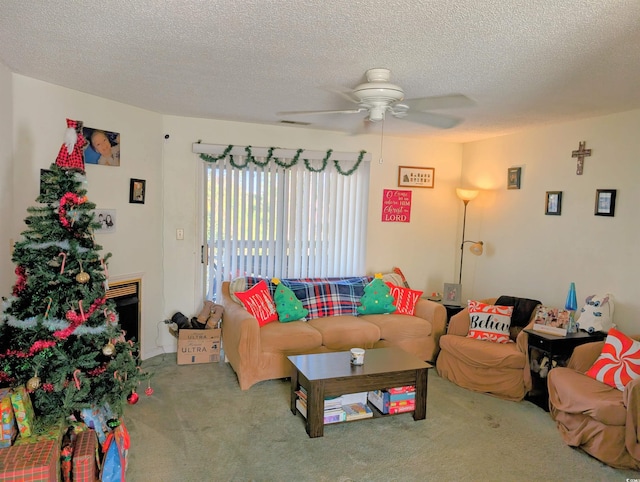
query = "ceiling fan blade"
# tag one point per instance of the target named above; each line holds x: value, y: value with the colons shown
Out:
x: 440, y: 102
x: 440, y: 121
x: 312, y: 112
x: 344, y: 92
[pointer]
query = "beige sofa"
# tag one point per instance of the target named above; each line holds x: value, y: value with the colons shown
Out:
x: 260, y: 353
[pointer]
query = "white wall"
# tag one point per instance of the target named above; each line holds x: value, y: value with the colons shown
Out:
x: 6, y: 180
x: 537, y: 256
x: 424, y: 248
x: 39, y: 121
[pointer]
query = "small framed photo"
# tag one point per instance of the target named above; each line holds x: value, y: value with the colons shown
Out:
x: 452, y: 294
x: 416, y: 176
x: 137, y: 191
x: 553, y: 203
x: 605, y: 202
x: 513, y: 177
x: 107, y: 220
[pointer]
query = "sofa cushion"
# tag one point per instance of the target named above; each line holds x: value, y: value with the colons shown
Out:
x: 489, y: 322
x: 523, y: 309
x: 257, y: 300
x: 480, y: 354
x: 346, y: 332
x: 405, y: 299
x: 575, y: 392
x: 290, y: 338
x: 395, y: 327
x: 619, y: 361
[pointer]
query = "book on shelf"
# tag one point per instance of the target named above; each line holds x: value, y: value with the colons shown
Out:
x: 388, y: 403
x: 356, y: 411
x: 405, y: 389
x: 553, y: 321
x: 329, y: 416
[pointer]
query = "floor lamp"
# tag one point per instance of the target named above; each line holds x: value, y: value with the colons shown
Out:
x: 477, y: 247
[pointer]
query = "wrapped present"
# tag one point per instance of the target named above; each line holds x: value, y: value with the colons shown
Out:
x: 84, y: 457
x: 23, y: 410
x: 8, y: 428
x: 39, y: 462
x: 52, y: 432
x: 97, y: 418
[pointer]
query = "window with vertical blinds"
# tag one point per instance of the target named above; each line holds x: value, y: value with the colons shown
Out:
x: 285, y: 223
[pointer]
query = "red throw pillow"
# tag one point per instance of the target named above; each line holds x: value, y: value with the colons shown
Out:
x: 259, y: 303
x: 405, y: 299
x: 489, y: 322
x: 619, y: 361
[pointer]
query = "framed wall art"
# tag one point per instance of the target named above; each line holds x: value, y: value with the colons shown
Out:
x: 103, y: 147
x: 107, y: 220
x: 513, y: 177
x: 553, y: 203
x: 452, y: 294
x: 137, y: 191
x: 416, y: 176
x: 605, y: 202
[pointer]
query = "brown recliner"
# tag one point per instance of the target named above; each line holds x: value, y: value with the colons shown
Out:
x: 500, y: 369
x: 600, y: 419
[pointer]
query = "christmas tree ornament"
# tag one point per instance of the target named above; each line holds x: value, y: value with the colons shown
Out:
x: 133, y: 398
x: 46, y: 314
x: 108, y: 349
x: 64, y: 260
x: 148, y: 391
x: 33, y: 383
x: 71, y: 154
x: 82, y: 277
x: 76, y: 378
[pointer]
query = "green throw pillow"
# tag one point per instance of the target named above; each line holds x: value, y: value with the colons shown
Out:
x: 377, y: 298
x: 289, y: 307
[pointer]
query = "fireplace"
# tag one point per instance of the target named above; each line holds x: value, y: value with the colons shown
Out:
x: 126, y: 294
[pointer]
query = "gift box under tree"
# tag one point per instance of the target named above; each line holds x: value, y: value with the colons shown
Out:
x: 23, y: 410
x: 39, y: 462
x: 8, y: 427
x: 84, y: 457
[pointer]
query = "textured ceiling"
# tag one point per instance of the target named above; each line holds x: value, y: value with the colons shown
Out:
x: 523, y: 62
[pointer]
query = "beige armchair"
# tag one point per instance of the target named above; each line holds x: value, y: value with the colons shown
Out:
x: 601, y: 420
x: 500, y: 369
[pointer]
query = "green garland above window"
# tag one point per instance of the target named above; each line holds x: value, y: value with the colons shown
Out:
x: 250, y: 158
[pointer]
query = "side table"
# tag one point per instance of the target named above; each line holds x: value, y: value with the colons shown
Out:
x: 558, y: 349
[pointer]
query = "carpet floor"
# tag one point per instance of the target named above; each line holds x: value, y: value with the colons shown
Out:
x: 199, y: 426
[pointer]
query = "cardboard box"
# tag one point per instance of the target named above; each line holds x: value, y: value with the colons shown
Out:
x: 199, y: 346
x: 33, y: 462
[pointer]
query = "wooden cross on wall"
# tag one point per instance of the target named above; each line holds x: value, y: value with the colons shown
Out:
x: 581, y: 153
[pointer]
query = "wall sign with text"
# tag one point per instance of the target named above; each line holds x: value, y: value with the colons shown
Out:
x: 396, y: 206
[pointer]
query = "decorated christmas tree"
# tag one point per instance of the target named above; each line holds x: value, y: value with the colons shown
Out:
x: 59, y: 335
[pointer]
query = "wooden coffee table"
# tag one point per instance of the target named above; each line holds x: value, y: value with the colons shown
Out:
x: 331, y: 374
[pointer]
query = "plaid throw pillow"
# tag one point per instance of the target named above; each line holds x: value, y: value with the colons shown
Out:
x: 328, y: 296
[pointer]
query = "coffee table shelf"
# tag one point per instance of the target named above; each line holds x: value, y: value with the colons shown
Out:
x: 331, y: 374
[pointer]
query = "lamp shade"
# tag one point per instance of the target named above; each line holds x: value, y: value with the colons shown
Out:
x: 477, y: 248
x: 467, y: 194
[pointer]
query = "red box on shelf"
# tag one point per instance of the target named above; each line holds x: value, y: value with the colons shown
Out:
x: 37, y: 462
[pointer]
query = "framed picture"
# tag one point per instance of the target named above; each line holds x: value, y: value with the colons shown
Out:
x: 553, y: 203
x: 137, y: 191
x: 107, y: 220
x: 452, y: 294
x: 416, y: 176
x: 605, y: 202
x: 513, y: 177
x: 103, y: 147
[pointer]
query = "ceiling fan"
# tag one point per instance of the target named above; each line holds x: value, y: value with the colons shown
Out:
x: 378, y: 97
